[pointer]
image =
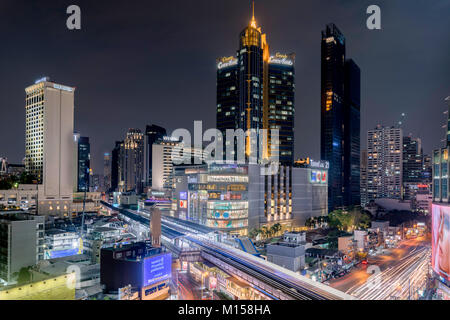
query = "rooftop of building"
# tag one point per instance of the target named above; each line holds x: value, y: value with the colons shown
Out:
x: 55, y: 231
x: 9, y: 216
x: 321, y: 251
x: 145, y: 246
x: 287, y: 244
x: 105, y: 229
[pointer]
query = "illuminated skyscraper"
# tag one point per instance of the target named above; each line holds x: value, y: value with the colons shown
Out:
x: 384, y: 163
x: 84, y: 164
x: 256, y: 91
x: 340, y: 120
x: 49, y: 143
x: 131, y: 162
x: 152, y: 134
x: 115, y: 165
x: 106, y: 171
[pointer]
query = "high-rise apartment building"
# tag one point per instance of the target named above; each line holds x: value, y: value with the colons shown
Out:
x: 256, y: 91
x: 131, y: 175
x: 49, y: 143
x: 340, y: 119
x: 384, y: 163
x: 363, y: 178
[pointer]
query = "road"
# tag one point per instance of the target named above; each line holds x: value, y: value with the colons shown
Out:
x: 402, y: 273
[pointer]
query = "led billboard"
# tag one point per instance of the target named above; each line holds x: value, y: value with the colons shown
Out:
x: 441, y: 241
x: 157, y: 268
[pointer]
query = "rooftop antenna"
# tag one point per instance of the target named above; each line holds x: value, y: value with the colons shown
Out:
x: 253, y: 22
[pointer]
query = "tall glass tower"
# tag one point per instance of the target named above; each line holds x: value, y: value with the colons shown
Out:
x: 256, y: 91
x: 340, y: 120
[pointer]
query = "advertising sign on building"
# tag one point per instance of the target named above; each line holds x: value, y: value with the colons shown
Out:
x: 318, y: 176
x: 157, y: 268
x: 441, y: 241
x: 183, y: 204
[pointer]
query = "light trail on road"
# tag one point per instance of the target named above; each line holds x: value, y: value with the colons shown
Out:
x: 399, y: 280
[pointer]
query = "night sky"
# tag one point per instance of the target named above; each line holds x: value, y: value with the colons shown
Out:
x: 142, y: 62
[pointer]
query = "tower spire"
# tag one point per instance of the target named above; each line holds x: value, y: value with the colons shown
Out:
x: 253, y: 22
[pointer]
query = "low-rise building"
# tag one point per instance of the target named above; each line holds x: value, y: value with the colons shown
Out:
x: 21, y: 243
x: 54, y: 288
x: 62, y: 243
x: 287, y: 255
x: 360, y: 236
x: 145, y: 268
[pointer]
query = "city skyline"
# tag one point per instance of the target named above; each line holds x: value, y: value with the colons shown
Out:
x: 163, y: 63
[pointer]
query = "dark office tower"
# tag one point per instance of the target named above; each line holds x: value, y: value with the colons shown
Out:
x: 115, y: 166
x: 152, y: 134
x: 131, y: 158
x: 256, y: 91
x: 332, y: 111
x: 340, y: 120
x: 352, y: 133
x: 412, y: 160
x: 281, y: 110
x: 84, y: 157
x: 227, y: 94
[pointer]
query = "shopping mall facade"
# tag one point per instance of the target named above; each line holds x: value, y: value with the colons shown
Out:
x: 236, y: 198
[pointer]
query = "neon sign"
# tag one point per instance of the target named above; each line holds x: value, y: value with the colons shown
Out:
x: 60, y: 87
x: 281, y: 59
x: 227, y: 62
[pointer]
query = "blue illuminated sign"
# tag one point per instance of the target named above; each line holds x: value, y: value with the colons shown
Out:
x: 183, y: 195
x: 157, y: 268
x: 63, y: 253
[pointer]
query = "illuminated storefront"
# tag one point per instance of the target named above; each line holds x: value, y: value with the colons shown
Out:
x: 237, y: 198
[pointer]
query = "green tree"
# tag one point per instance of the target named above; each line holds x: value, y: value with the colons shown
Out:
x: 24, y: 276
x: 6, y: 183
x: 254, y: 233
x: 348, y: 220
x: 265, y: 232
x: 276, y: 228
x: 26, y: 178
